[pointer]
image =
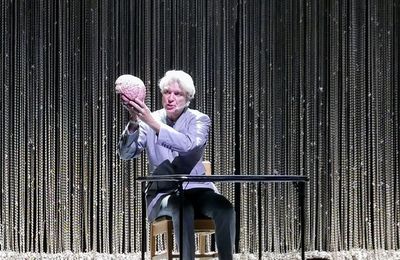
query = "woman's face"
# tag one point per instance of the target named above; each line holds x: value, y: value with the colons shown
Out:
x: 174, y: 100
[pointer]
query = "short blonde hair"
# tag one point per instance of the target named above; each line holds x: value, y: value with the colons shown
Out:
x: 184, y: 80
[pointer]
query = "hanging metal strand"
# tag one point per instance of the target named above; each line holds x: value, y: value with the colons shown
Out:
x: 292, y: 87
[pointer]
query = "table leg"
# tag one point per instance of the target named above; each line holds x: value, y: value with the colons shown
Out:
x: 259, y: 220
x: 180, y: 190
x: 302, y: 220
x: 143, y: 219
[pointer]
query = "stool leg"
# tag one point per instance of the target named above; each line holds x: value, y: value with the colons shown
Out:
x: 202, y: 244
x: 152, y: 242
x: 169, y: 246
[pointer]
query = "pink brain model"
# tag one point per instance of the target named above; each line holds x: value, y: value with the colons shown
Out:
x: 130, y: 86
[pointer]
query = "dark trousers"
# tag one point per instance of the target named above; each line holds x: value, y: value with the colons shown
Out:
x: 197, y: 202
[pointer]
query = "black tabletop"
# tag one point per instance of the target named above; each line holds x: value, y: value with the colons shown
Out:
x: 224, y: 178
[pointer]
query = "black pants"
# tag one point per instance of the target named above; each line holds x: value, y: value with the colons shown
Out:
x: 197, y: 202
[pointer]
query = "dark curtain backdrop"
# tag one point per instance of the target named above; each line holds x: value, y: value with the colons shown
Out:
x: 303, y: 87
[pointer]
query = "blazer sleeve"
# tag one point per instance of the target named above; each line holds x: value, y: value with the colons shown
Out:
x: 130, y: 145
x: 191, y: 137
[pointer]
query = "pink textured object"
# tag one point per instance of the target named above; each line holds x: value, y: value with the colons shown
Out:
x: 130, y: 86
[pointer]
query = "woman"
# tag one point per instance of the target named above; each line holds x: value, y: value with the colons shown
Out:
x: 174, y: 138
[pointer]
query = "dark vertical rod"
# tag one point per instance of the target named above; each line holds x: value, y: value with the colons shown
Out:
x: 259, y: 219
x: 302, y: 218
x: 180, y: 220
x: 143, y: 219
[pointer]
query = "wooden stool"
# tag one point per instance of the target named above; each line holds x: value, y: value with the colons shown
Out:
x: 163, y: 225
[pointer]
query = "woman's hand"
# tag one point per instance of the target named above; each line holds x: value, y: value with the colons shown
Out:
x: 138, y: 109
x: 126, y: 102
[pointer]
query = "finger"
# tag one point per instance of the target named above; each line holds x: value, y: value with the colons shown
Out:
x: 123, y: 97
x: 125, y: 102
x: 136, y: 107
x: 140, y: 103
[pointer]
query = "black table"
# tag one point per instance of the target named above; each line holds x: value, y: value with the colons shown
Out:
x: 299, y: 180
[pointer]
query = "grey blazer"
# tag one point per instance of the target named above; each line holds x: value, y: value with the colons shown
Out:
x: 187, y: 139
